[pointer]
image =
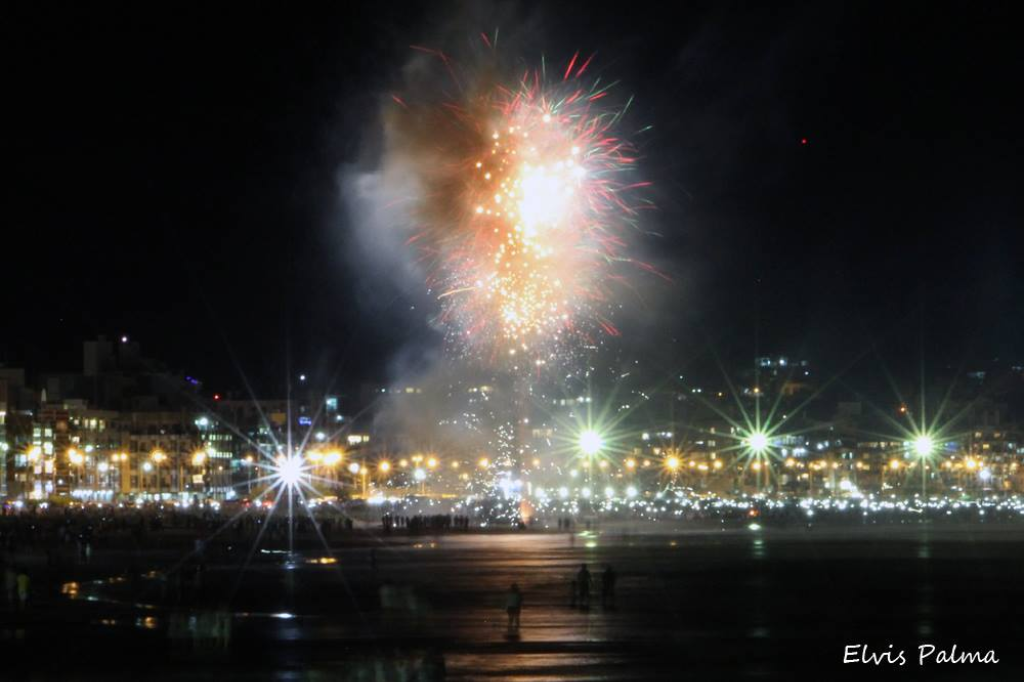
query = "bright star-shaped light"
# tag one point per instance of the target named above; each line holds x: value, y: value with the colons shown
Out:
x: 924, y: 445
x: 757, y: 442
x: 591, y: 442
x: 289, y: 470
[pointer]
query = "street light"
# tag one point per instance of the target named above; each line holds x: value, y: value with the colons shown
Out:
x: 591, y: 442
x: 757, y: 445
x: 757, y: 442
x: 104, y: 468
x: 158, y: 457
x: 924, y: 446
x: 33, y: 454
x: 248, y: 474
x: 331, y: 459
x: 289, y: 470
x: 971, y: 465
x: 121, y: 457
x: 198, y: 461
x: 78, y: 459
x: 894, y: 465
x: 354, y: 468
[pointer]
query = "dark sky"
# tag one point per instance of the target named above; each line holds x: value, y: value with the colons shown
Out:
x: 173, y: 174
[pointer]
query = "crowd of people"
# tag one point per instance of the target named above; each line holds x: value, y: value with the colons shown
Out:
x: 435, y: 522
x: 580, y: 588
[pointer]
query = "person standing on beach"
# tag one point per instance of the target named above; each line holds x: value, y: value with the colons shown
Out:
x: 583, y: 582
x: 513, y: 606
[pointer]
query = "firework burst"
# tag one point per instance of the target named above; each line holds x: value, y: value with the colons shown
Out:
x: 526, y: 207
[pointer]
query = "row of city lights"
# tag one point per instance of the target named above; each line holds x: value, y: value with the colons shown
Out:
x: 79, y: 459
x: 590, y: 443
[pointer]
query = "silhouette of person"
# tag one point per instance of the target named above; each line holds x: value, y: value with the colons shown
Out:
x: 513, y: 606
x: 583, y: 581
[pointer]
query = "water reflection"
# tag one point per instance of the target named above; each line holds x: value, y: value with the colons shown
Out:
x: 726, y: 587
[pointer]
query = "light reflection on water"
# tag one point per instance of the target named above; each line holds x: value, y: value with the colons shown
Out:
x: 523, y: 667
x: 718, y: 588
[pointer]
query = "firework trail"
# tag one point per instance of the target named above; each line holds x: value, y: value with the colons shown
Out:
x: 526, y: 204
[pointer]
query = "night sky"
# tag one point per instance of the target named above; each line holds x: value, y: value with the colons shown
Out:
x: 173, y: 174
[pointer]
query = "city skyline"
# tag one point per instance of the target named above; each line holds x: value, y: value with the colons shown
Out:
x: 126, y: 415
